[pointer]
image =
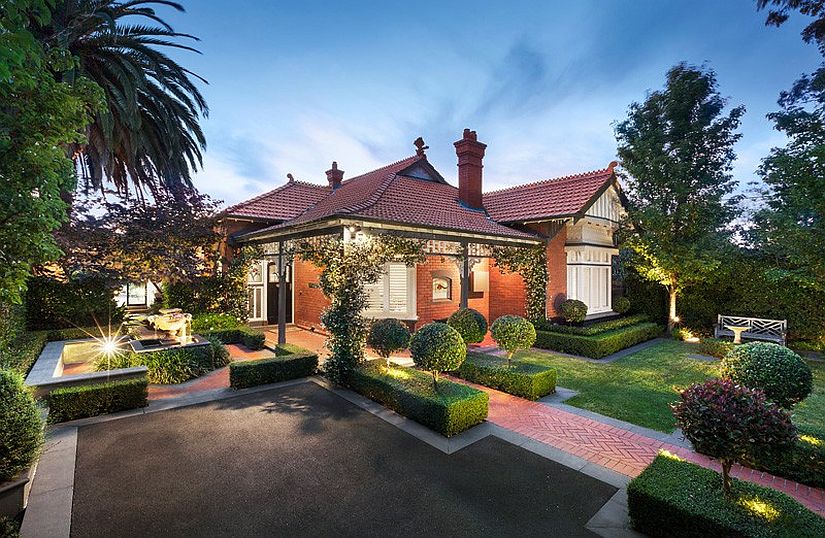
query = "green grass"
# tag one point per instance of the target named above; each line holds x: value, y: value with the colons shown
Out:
x: 637, y: 388
x: 810, y: 413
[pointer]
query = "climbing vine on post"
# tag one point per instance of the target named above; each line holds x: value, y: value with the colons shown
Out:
x: 346, y: 268
x: 531, y: 264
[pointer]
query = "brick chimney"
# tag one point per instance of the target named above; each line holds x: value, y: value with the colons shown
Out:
x: 470, y: 153
x: 335, y: 176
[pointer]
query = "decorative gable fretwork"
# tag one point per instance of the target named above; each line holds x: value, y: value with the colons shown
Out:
x: 453, y: 248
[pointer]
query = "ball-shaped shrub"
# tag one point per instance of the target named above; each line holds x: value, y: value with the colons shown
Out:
x: 573, y: 310
x: 388, y: 336
x: 732, y: 422
x: 621, y: 305
x: 782, y: 374
x: 21, y: 433
x: 437, y: 347
x: 470, y: 324
x: 512, y: 333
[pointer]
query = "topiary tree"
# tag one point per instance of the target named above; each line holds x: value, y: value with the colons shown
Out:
x: 782, y: 374
x: 573, y: 310
x: 512, y: 333
x: 470, y: 324
x: 437, y: 347
x: 732, y: 423
x: 21, y: 432
x: 621, y: 305
x: 388, y: 336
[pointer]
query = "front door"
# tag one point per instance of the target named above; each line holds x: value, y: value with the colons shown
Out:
x: 273, y: 285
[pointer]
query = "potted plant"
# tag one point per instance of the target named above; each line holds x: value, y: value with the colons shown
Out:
x: 21, y: 439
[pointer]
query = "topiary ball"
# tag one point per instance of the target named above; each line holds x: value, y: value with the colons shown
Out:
x: 573, y: 310
x: 388, y: 336
x: 470, y: 324
x: 21, y: 432
x: 512, y: 333
x: 437, y: 347
x: 621, y: 305
x: 782, y: 374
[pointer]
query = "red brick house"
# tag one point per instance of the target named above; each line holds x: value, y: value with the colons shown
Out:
x: 574, y: 217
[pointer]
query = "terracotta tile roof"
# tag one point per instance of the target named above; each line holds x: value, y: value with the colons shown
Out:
x: 558, y: 197
x: 284, y: 203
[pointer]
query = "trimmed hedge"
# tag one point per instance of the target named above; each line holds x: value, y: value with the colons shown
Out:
x: 71, y: 403
x: 594, y: 329
x: 21, y: 432
x: 527, y: 380
x: 248, y: 337
x: 675, y: 498
x: 409, y: 392
x: 715, y: 347
x: 22, y: 352
x: 290, y: 362
x: 805, y: 463
x: 73, y: 333
x: 600, y: 345
x: 783, y: 375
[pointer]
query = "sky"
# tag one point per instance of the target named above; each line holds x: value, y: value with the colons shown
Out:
x: 295, y: 85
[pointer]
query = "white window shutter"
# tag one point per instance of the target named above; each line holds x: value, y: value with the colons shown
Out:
x: 375, y: 295
x: 397, y: 287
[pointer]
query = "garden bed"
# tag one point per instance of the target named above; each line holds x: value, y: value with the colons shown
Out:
x: 449, y: 410
x: 675, y: 498
x: 600, y: 344
x: 290, y: 362
x: 524, y: 379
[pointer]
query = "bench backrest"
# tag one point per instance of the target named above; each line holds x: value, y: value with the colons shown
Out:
x: 756, y: 326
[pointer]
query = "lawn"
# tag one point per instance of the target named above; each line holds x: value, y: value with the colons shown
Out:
x: 639, y: 388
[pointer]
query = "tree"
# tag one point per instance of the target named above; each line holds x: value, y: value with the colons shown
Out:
x: 39, y: 117
x: 512, y: 333
x: 437, y: 347
x: 388, y: 336
x: 148, y: 135
x: 676, y: 149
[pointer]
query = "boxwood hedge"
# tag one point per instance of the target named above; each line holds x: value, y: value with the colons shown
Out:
x: 805, y: 463
x: 451, y: 409
x: 527, y: 380
x: 676, y: 498
x: 70, y: 403
x: 599, y: 345
x: 248, y: 337
x: 594, y: 329
x: 290, y: 362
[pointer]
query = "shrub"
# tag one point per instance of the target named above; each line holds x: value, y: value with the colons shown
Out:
x: 512, y: 333
x: 437, y: 347
x: 214, y: 322
x: 594, y: 329
x: 470, y: 324
x: 715, y: 347
x: 523, y: 379
x: 75, y: 333
x: 732, y: 423
x: 9, y: 528
x: 621, y: 305
x: 782, y: 374
x: 293, y: 364
x: 21, y: 432
x: 674, y: 498
x: 169, y: 366
x: 804, y: 463
x: 220, y: 355
x: 600, y: 345
x: 22, y: 352
x: 70, y: 403
x: 388, y: 336
x: 248, y: 337
x: 55, y: 304
x: 448, y: 408
x: 573, y: 310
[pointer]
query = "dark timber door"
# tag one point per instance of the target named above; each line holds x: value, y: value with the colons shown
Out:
x: 272, y: 294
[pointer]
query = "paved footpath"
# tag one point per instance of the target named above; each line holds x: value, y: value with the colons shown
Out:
x: 622, y: 450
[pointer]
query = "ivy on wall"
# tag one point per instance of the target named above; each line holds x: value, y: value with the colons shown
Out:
x: 531, y: 264
x: 346, y: 268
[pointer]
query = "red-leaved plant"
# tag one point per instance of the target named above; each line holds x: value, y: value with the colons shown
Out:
x: 731, y: 423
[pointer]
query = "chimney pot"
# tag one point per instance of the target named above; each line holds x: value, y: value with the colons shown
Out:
x: 335, y: 176
x: 470, y: 153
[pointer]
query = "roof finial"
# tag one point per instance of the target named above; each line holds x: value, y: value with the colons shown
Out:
x: 290, y: 178
x: 420, y: 147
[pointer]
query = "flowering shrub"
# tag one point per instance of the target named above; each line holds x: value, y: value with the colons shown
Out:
x: 782, y: 374
x: 512, y: 333
x: 573, y: 310
x: 470, y: 324
x: 437, y: 347
x: 388, y: 336
x: 732, y: 423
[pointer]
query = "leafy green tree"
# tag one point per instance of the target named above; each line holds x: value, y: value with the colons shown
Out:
x: 676, y: 149
x: 39, y: 117
x: 148, y: 135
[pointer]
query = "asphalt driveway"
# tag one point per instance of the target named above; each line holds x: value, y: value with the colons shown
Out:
x: 301, y: 461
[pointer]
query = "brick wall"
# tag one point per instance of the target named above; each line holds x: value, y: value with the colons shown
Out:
x: 309, y: 299
x: 507, y: 293
x: 430, y: 310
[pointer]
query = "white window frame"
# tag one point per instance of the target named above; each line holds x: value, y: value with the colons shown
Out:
x: 411, y: 312
x: 590, y: 276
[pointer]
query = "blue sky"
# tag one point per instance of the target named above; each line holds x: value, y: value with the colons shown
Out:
x: 296, y: 85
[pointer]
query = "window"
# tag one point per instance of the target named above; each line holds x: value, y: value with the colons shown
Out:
x: 393, y: 296
x: 255, y: 291
x: 136, y: 294
x: 442, y: 288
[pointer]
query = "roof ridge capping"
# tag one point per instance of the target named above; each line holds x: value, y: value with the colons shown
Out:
x: 610, y: 168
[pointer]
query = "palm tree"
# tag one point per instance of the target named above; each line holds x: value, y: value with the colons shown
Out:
x: 147, y: 136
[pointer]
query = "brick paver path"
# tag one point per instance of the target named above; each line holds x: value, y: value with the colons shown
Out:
x: 622, y: 450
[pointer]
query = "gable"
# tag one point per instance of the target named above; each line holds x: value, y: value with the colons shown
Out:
x: 608, y: 206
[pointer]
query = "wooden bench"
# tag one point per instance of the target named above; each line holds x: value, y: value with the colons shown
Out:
x: 771, y: 330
